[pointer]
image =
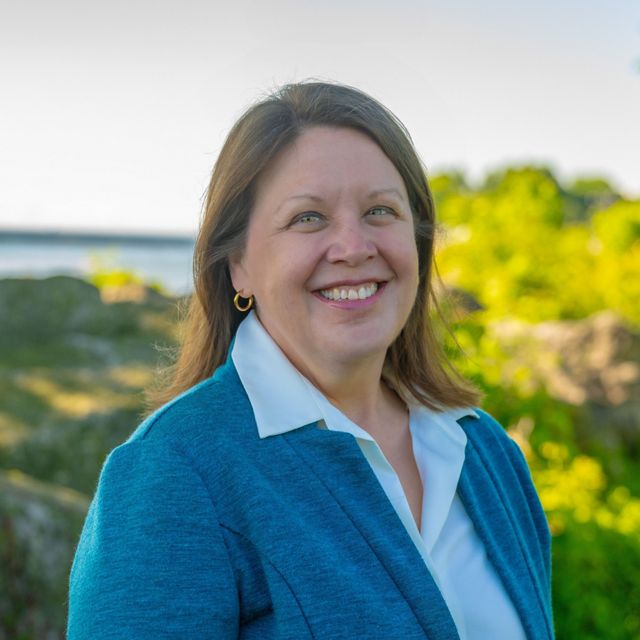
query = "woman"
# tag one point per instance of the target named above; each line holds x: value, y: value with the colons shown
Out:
x: 315, y: 470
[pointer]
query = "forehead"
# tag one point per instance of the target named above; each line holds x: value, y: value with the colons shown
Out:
x: 329, y: 159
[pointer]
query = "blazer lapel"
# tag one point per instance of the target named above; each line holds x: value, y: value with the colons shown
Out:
x: 337, y: 461
x: 505, y: 545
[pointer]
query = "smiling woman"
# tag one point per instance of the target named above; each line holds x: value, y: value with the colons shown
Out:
x: 314, y: 468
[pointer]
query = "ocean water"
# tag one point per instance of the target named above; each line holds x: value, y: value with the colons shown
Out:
x: 163, y: 260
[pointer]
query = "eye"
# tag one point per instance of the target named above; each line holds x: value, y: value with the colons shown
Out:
x: 380, y: 212
x: 307, y: 218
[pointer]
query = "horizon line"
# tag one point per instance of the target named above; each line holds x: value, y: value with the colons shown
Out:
x: 87, y: 234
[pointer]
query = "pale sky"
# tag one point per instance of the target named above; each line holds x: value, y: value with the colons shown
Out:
x: 112, y: 113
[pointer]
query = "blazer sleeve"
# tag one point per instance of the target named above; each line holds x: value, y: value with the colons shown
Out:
x: 151, y: 561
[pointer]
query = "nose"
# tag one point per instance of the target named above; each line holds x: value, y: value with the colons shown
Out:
x: 351, y: 244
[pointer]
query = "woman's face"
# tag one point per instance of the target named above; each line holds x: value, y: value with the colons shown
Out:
x: 330, y: 256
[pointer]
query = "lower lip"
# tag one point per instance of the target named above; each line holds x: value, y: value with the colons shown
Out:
x: 352, y: 304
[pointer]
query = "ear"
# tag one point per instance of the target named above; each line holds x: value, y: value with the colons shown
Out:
x: 239, y: 276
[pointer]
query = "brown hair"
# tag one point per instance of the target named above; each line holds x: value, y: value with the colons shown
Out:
x: 415, y: 363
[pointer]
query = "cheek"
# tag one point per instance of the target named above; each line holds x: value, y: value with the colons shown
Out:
x: 403, y: 255
x: 280, y: 276
x: 293, y: 262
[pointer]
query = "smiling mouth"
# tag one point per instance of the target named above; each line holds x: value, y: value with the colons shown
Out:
x: 359, y: 292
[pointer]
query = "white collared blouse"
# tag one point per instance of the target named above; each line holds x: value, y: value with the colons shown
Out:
x: 283, y: 399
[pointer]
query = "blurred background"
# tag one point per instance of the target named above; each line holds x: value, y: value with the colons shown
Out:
x: 526, y: 116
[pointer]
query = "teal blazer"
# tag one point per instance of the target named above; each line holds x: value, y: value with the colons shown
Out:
x: 200, y: 529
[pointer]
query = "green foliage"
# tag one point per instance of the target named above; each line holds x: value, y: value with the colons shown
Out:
x: 529, y: 249
x: 114, y: 278
x: 104, y: 274
x: 596, y: 589
x: 618, y: 228
x: 585, y: 196
x: 448, y: 184
x: 592, y: 188
x: 511, y: 393
x: 512, y: 245
x: 596, y: 549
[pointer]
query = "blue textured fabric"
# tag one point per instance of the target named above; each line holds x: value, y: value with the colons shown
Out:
x: 200, y: 529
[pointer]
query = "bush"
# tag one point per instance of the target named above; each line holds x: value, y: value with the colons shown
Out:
x: 596, y: 589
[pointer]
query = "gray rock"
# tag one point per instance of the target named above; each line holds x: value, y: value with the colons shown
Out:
x: 592, y: 364
x: 36, y: 312
x: 40, y: 528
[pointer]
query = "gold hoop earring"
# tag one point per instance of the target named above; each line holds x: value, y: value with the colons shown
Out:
x: 238, y: 306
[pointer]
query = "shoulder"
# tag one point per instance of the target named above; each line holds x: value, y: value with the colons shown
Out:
x: 152, y: 536
x: 194, y: 436
x: 488, y: 436
x: 484, y: 424
x: 216, y: 409
x: 172, y: 459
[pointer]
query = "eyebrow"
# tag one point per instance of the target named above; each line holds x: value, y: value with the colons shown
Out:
x: 372, y: 194
x: 378, y: 192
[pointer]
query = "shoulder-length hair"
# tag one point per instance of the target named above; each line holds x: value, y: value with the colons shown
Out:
x: 415, y: 364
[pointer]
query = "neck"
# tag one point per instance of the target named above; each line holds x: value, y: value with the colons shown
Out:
x: 361, y: 394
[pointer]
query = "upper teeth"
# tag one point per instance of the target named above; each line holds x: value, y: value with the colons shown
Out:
x: 350, y: 293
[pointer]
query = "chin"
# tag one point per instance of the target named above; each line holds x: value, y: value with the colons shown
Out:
x: 353, y: 350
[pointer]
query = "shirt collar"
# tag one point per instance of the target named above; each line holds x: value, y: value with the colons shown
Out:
x: 277, y: 391
x: 284, y: 400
